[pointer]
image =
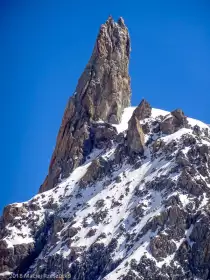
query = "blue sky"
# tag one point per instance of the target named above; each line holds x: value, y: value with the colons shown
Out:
x: 44, y: 47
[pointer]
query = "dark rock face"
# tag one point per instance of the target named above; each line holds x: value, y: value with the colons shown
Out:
x: 95, y: 171
x: 173, y: 122
x: 161, y: 247
x: 12, y: 257
x: 144, y: 110
x: 135, y: 136
x: 11, y: 211
x: 135, y: 133
x: 103, y: 91
x: 102, y: 134
x: 192, y: 185
x: 95, y: 262
x: 17, y: 258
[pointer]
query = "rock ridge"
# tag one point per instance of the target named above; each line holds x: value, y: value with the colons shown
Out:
x: 103, y: 91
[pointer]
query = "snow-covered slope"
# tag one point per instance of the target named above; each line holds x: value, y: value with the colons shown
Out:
x: 119, y: 216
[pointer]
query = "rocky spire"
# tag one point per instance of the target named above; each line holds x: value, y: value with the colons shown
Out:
x: 135, y: 134
x: 144, y: 110
x: 103, y: 91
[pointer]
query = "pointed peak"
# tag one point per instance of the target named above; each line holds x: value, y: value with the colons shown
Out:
x: 143, y: 101
x: 113, y: 35
x: 143, y: 110
x: 177, y: 112
x: 102, y: 93
x: 109, y: 21
x: 121, y: 22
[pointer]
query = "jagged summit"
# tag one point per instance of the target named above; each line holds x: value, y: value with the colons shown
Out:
x: 128, y: 190
x: 103, y: 91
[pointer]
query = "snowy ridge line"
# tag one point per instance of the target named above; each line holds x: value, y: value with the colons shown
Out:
x: 137, y: 207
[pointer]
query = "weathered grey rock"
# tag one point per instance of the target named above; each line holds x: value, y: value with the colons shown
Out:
x: 103, y: 91
x: 143, y: 110
x: 182, y: 160
x: 120, y: 138
x: 197, y: 130
x: 120, y: 154
x: 99, y: 203
x: 146, y: 269
x: 91, y: 232
x: 99, y: 216
x: 102, y: 134
x: 166, y: 126
x: 173, y: 122
x: 58, y: 224
x: 146, y: 128
x: 191, y: 185
x: 188, y: 140
x: 176, y: 216
x: 197, y: 254
x: 179, y: 115
x: 11, y: 211
x: 157, y: 145
x: 98, y: 168
x: 11, y: 257
x: 72, y: 231
x: 161, y: 247
x: 204, y: 151
x: 135, y: 136
x: 138, y: 211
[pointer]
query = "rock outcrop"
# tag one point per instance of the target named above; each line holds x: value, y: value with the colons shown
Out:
x: 102, y: 134
x: 135, y: 133
x: 103, y: 91
x: 135, y: 136
x: 95, y: 171
x: 173, y: 122
x: 143, y: 110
